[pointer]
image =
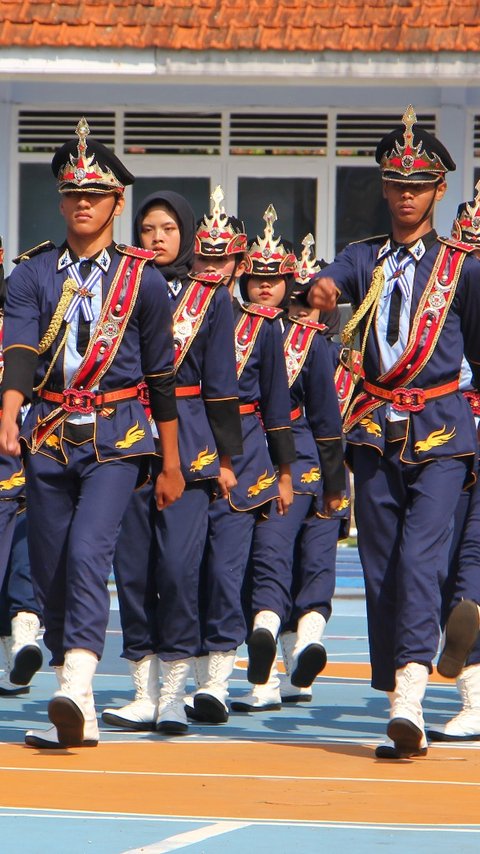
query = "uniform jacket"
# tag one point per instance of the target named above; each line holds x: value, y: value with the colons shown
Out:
x: 209, y: 425
x: 267, y: 437
x: 317, y: 429
x: 444, y: 427
x: 145, y: 351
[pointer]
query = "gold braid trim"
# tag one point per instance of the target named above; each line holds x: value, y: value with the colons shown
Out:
x: 70, y: 288
x: 369, y: 303
x: 54, y: 359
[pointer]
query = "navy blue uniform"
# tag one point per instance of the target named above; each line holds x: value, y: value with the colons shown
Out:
x: 204, y: 436
x: 75, y: 501
x: 404, y: 507
x: 317, y: 431
x: 263, y: 388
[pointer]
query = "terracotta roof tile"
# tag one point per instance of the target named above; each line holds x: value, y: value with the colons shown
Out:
x: 275, y: 25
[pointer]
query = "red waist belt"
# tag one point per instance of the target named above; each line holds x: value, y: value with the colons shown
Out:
x: 248, y: 408
x: 86, y: 402
x: 410, y: 399
x: 296, y: 413
x: 187, y: 391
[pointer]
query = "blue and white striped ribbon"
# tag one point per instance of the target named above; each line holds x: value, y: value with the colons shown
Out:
x: 78, y: 300
x: 396, y: 272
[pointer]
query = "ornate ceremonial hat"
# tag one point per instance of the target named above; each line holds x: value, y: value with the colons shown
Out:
x: 267, y: 255
x: 89, y: 167
x: 307, y: 264
x: 408, y: 154
x: 466, y: 226
x: 219, y: 234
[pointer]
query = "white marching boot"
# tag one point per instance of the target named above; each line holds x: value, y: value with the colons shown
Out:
x: 72, y: 708
x: 141, y: 714
x: 309, y: 656
x: 49, y: 739
x: 262, y: 698
x: 200, y: 677
x: 26, y: 654
x: 209, y: 701
x: 406, y: 728
x: 8, y: 688
x: 466, y: 725
x: 288, y: 692
x: 262, y: 646
x: 171, y: 711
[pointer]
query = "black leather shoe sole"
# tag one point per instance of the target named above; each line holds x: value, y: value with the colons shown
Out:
x: 385, y: 751
x: 461, y: 633
x: 406, y: 736
x: 238, y: 706
x: 124, y: 723
x: 434, y: 735
x: 297, y: 698
x: 45, y: 744
x: 68, y: 719
x: 209, y: 710
x: 262, y: 650
x: 310, y: 663
x: 27, y: 661
x: 13, y: 692
x: 172, y: 728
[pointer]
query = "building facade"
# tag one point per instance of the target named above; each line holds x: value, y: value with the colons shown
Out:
x: 271, y: 121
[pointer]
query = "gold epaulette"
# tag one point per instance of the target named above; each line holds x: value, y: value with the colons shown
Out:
x: 267, y: 311
x: 305, y: 321
x: 35, y: 250
x: 136, y: 252
x: 457, y: 244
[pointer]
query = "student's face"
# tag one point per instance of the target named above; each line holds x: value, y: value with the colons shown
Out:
x: 410, y: 203
x: 87, y: 214
x: 297, y: 309
x: 160, y: 231
x: 266, y: 290
x: 224, y: 264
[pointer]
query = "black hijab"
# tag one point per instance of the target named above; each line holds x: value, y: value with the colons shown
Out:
x: 182, y: 265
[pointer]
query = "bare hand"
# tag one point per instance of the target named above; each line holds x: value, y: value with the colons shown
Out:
x: 169, y: 487
x: 285, y: 500
x: 226, y: 480
x: 323, y: 294
x: 9, y: 444
x: 331, y: 502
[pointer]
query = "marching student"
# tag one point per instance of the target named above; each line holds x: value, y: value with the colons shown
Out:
x: 411, y: 438
x: 85, y: 324
x: 159, y: 604
x: 19, y: 611
x: 262, y: 472
x: 460, y: 656
x: 293, y: 557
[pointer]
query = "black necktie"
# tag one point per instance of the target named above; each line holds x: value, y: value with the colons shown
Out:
x: 83, y: 334
x: 393, y: 325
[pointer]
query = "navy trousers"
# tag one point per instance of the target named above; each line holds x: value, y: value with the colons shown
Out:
x: 313, y: 582
x: 230, y: 535
x: 74, y: 515
x: 405, y: 521
x: 272, y: 557
x: 8, y: 518
x: 16, y: 593
x: 463, y: 580
x: 181, y: 532
x: 134, y: 567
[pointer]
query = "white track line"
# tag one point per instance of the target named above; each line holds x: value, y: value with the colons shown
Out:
x: 190, y: 837
x: 271, y: 777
